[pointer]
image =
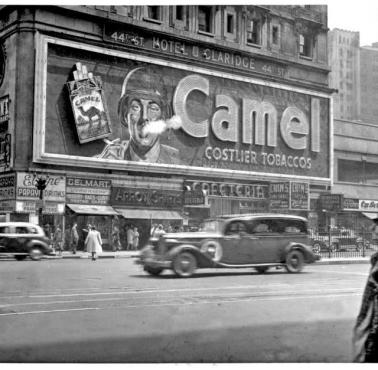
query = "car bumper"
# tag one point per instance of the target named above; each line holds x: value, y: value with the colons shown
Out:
x: 156, y: 263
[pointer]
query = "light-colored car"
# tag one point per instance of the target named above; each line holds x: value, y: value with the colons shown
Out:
x: 23, y: 239
x: 259, y: 241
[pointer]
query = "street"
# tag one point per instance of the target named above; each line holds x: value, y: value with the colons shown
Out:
x: 111, y: 311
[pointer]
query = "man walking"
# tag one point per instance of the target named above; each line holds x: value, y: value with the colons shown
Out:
x: 74, y: 238
x: 93, y: 242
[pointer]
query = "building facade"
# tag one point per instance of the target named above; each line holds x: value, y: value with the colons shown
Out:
x: 138, y: 115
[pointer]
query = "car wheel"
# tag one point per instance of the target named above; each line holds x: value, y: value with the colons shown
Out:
x: 184, y: 264
x: 294, y: 261
x: 261, y: 269
x: 20, y: 257
x: 334, y: 247
x: 35, y: 253
x: 153, y: 270
x: 316, y: 247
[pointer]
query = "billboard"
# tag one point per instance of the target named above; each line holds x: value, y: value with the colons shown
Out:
x: 172, y: 117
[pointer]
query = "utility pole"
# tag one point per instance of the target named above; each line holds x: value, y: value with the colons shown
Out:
x: 40, y: 184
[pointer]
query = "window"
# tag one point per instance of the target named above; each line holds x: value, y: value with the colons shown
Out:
x: 361, y: 172
x: 305, y: 46
x: 254, y: 31
x: 205, y: 19
x: 275, y: 35
x: 22, y: 230
x: 180, y: 13
x: 230, y: 23
x: 235, y: 227
x: 4, y: 230
x: 153, y: 12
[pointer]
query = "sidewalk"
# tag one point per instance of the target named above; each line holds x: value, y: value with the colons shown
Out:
x: 135, y: 254
x: 105, y: 254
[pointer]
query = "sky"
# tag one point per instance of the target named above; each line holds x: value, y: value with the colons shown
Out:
x: 356, y: 15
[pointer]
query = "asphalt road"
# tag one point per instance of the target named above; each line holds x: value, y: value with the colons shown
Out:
x: 110, y: 311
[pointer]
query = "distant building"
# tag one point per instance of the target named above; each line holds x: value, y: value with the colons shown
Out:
x: 369, y: 83
x: 344, y: 59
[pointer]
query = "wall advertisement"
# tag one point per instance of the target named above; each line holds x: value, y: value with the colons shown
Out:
x: 198, y: 119
x: 291, y: 195
x: 82, y: 190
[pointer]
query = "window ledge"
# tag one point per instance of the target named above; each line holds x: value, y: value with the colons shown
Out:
x: 305, y: 57
x: 210, y: 34
x: 152, y: 20
x: 259, y: 46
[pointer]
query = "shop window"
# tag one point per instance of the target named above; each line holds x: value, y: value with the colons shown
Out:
x: 305, y: 46
x: 205, y: 19
x: 360, y: 172
x: 254, y: 31
x: 275, y: 35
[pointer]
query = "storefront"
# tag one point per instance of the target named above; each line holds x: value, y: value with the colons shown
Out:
x: 20, y: 200
x: 88, y: 203
x: 145, y: 202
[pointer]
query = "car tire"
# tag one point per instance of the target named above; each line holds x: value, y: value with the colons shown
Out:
x: 334, y: 247
x: 316, y: 247
x: 153, y: 270
x: 184, y: 264
x: 20, y: 257
x: 359, y: 246
x: 261, y: 269
x: 294, y: 261
x: 35, y: 253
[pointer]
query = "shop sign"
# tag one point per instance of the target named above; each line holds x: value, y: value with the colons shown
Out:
x: 279, y: 195
x: 194, y: 51
x: 5, y: 136
x: 351, y: 204
x: 207, y: 119
x: 82, y: 190
x: 7, y: 206
x: 55, y: 189
x: 289, y: 196
x: 331, y: 202
x: 299, y: 196
x: 88, y: 105
x: 194, y: 197
x: 228, y: 189
x: 34, y: 207
x: 8, y: 186
x: 368, y: 205
x: 141, y: 198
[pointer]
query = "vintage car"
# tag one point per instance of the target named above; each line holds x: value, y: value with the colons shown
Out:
x: 23, y: 239
x: 259, y: 241
x: 341, y: 240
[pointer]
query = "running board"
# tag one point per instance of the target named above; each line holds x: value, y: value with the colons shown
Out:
x: 254, y: 265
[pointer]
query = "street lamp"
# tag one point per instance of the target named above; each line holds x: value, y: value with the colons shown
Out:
x: 40, y: 182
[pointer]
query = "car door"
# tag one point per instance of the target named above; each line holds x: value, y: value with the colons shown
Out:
x: 8, y: 240
x: 236, y: 243
x: 265, y: 246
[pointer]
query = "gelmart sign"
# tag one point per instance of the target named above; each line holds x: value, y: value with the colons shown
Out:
x: 202, y: 119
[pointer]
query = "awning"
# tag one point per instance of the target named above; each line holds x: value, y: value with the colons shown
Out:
x: 371, y: 215
x: 88, y: 209
x: 149, y: 214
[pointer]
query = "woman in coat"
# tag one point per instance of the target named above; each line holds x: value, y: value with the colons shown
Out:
x: 93, y: 242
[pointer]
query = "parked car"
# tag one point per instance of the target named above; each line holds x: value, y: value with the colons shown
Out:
x: 23, y: 239
x: 259, y: 241
x: 341, y: 240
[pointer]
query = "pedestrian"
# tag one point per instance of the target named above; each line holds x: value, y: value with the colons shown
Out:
x: 159, y: 231
x: 74, y: 238
x: 58, y: 240
x: 135, y: 239
x: 116, y: 242
x: 153, y: 228
x: 365, y: 332
x: 130, y: 238
x: 374, y: 231
x: 93, y: 242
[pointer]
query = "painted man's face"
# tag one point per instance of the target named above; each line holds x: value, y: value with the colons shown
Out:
x: 140, y: 113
